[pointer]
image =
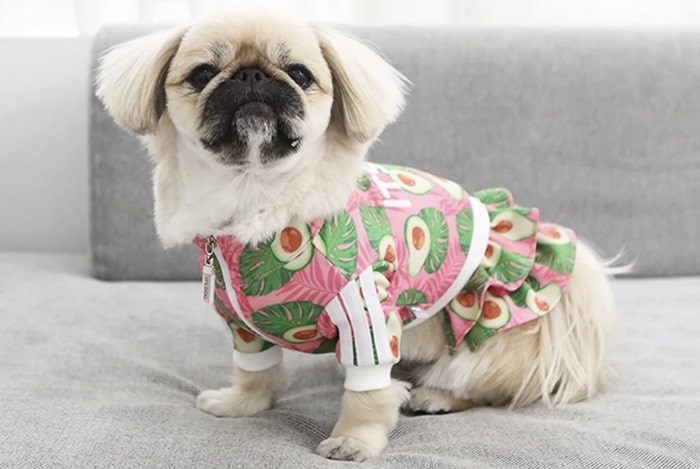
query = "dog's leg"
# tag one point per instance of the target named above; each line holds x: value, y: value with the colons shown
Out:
x: 252, y: 392
x: 366, y: 419
x: 426, y: 400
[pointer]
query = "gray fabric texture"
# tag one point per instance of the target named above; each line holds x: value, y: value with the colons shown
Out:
x: 597, y: 128
x: 98, y: 374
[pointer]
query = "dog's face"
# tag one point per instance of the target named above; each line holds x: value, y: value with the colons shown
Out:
x: 250, y: 92
x: 261, y: 116
x: 251, y: 89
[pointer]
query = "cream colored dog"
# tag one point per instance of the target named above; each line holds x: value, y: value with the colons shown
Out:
x: 227, y: 166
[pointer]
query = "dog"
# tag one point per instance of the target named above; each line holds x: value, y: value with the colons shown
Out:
x: 258, y: 127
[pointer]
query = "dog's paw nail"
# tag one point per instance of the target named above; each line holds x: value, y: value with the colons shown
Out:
x: 344, y: 448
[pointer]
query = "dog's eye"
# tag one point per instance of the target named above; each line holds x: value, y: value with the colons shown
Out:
x: 201, y: 75
x: 301, y: 75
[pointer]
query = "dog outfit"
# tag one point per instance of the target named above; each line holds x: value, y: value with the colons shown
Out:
x: 408, y: 246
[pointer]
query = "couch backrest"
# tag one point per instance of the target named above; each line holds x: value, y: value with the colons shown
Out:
x: 599, y: 129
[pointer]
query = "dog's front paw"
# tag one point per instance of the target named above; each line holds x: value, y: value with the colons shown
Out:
x: 233, y: 402
x: 347, y: 448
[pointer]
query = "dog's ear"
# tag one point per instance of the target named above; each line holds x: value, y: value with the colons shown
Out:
x: 131, y: 80
x: 368, y: 93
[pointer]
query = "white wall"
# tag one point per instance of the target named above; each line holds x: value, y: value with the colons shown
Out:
x: 43, y: 144
x: 74, y: 17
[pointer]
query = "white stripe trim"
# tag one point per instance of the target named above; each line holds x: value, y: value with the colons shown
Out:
x: 397, y: 203
x: 477, y: 249
x: 337, y: 315
x: 371, y: 168
x: 376, y: 316
x: 368, y: 378
x: 232, y: 298
x: 360, y: 327
x: 258, y: 361
x: 380, y: 186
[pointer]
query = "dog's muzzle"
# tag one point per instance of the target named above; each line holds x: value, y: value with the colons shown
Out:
x: 250, y: 109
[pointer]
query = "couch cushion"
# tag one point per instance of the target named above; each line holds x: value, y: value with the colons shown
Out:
x: 100, y: 374
x: 597, y: 128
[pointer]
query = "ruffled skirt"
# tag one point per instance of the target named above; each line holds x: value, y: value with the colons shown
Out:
x: 525, y: 270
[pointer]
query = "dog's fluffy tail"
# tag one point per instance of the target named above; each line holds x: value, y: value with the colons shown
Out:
x: 572, y: 340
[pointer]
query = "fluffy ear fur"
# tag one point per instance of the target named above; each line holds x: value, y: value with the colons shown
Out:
x: 368, y: 93
x: 131, y: 79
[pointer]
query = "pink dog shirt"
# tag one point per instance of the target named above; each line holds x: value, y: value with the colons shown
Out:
x: 408, y: 246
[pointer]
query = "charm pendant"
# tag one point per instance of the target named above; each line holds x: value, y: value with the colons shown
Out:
x: 208, y: 273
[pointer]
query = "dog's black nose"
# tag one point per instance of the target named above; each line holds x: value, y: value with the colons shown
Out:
x: 250, y: 75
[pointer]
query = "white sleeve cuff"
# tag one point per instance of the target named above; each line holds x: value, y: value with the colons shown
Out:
x: 258, y: 361
x: 368, y: 378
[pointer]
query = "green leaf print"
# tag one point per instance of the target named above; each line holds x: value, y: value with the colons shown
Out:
x: 294, y: 321
x: 381, y: 266
x: 511, y: 267
x: 262, y: 273
x: 519, y: 296
x: 218, y: 275
x: 439, y: 234
x: 364, y: 182
x: 230, y: 316
x: 534, y: 284
x: 448, y: 331
x: 339, y: 236
x: 412, y: 296
x: 376, y: 223
x: 465, y: 228
x: 478, y: 335
x: 496, y: 197
x: 327, y: 346
x: 558, y: 257
x: 477, y: 280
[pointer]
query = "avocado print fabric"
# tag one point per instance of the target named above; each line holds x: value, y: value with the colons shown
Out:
x: 522, y: 276
x: 408, y: 246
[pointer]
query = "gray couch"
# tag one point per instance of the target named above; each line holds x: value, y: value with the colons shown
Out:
x: 597, y: 128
